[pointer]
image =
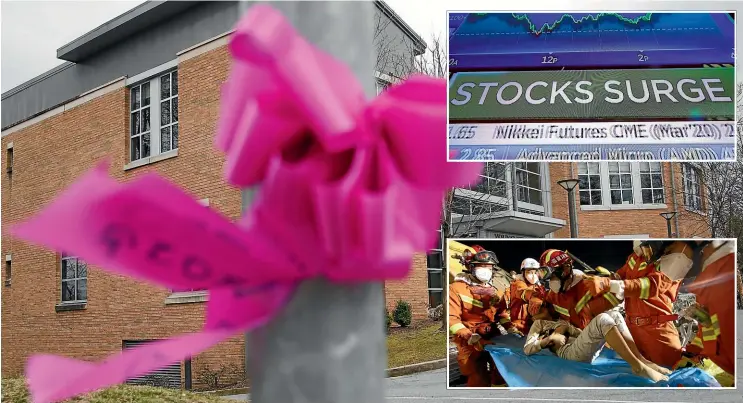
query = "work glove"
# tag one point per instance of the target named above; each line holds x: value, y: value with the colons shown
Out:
x: 616, y: 287
x: 465, y: 333
x: 474, y: 339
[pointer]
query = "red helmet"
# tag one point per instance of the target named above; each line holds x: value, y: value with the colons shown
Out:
x: 554, y: 258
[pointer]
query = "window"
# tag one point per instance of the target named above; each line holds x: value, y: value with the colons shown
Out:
x: 9, y: 160
x: 435, y: 269
x: 153, y: 117
x: 620, y: 183
x: 74, y: 279
x: 589, y: 176
x: 8, y: 270
x: 692, y: 188
x: 528, y: 182
x: 615, y: 185
x: 651, y: 182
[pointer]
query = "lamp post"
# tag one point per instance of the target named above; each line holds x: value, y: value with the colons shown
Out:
x: 328, y: 344
x: 569, y: 185
x: 668, y: 215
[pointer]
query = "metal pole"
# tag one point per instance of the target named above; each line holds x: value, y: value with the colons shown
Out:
x: 668, y: 225
x: 328, y: 344
x: 573, y: 214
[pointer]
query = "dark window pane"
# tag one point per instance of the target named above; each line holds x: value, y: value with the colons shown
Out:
x: 434, y: 260
x: 496, y: 170
x: 460, y: 205
x: 583, y: 182
x: 435, y: 298
x: 480, y: 207
x: 145, y: 145
x: 627, y: 196
x: 595, y: 182
x: 521, y: 177
x: 645, y: 181
x: 534, y: 181
x: 174, y: 136
x: 613, y: 167
x: 134, y: 98
x: 82, y: 290
x: 595, y: 197
x: 626, y: 181
x: 134, y: 147
x: 165, y: 113
x: 657, y: 180
x: 135, y: 123
x: 174, y: 83
x: 614, y: 181
x: 522, y: 194
x: 585, y: 198
x: 165, y: 139
x: 434, y: 279
x: 145, y: 94
x: 146, y: 119
x: 647, y: 196
x: 82, y: 269
x: 532, y: 167
x: 644, y: 167
x: 68, y: 268
x: 174, y: 109
x: 535, y: 197
x: 616, y: 197
x: 68, y: 290
x: 165, y: 86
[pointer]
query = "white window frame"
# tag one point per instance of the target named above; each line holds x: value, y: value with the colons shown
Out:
x: 65, y: 258
x: 589, y: 173
x: 507, y: 200
x: 439, y: 271
x: 653, y: 189
x: 153, y: 77
x: 606, y: 193
x: 685, y: 169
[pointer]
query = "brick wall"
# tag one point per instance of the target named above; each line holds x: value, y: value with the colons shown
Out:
x: 49, y: 156
x: 596, y: 224
x: 413, y: 289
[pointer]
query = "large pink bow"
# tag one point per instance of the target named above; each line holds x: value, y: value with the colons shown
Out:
x: 349, y: 190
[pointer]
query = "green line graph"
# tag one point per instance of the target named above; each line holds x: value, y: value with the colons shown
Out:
x: 591, y: 17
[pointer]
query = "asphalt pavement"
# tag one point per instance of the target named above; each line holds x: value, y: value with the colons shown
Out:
x: 430, y: 387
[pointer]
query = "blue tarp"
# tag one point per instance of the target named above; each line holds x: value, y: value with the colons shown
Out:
x: 545, y: 369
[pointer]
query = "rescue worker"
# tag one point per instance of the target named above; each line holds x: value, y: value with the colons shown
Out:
x: 475, y: 306
x: 649, y: 295
x: 575, y: 296
x: 710, y: 268
x: 527, y: 297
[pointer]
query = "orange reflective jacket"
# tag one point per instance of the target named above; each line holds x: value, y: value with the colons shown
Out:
x: 526, y: 301
x: 583, y: 301
x: 472, y: 305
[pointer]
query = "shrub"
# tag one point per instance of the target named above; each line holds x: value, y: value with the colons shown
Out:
x: 388, y: 318
x: 403, y: 314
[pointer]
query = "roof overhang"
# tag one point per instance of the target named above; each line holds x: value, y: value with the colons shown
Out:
x: 119, y: 28
x: 515, y: 222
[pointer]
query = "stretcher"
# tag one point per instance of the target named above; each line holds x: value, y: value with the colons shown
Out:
x: 544, y: 369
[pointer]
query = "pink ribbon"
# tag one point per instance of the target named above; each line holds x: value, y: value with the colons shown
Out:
x: 349, y: 190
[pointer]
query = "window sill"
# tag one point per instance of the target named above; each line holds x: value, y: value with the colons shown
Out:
x: 71, y: 306
x: 189, y: 297
x: 619, y: 207
x: 151, y: 160
x: 697, y: 212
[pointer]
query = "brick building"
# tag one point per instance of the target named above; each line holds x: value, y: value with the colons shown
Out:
x: 143, y: 92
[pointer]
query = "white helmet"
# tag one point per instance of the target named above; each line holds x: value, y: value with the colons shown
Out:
x: 529, y: 264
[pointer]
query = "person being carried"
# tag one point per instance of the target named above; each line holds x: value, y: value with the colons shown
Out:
x: 568, y: 342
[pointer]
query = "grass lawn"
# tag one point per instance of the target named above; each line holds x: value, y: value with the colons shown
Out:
x: 417, y: 344
x: 14, y: 391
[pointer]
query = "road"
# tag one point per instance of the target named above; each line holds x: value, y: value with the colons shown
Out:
x: 430, y: 387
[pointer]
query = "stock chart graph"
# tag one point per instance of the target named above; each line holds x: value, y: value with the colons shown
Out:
x: 584, y: 40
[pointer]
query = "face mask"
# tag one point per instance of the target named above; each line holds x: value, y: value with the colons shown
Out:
x: 555, y: 284
x: 483, y: 274
x: 531, y: 277
x: 675, y: 265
